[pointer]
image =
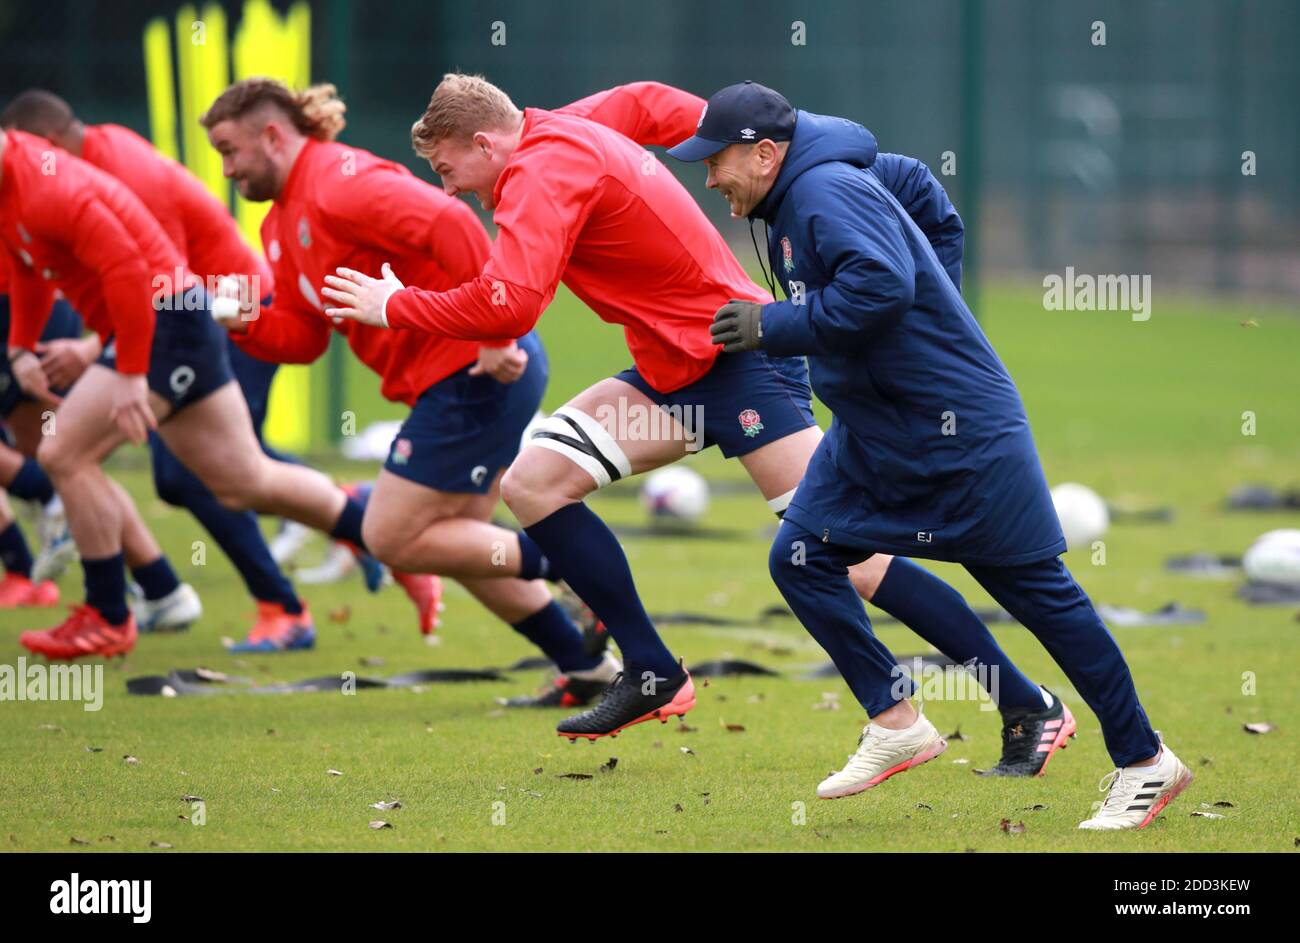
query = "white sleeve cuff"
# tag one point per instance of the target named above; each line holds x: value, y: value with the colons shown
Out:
x: 383, y: 312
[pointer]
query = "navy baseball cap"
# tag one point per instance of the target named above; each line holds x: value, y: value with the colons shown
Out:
x: 738, y: 114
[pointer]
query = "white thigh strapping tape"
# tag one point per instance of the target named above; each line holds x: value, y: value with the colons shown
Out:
x: 583, y: 441
x: 782, y: 501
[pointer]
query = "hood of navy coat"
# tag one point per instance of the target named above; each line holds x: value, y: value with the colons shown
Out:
x: 818, y: 139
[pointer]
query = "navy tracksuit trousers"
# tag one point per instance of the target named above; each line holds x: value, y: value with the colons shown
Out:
x: 1042, y: 596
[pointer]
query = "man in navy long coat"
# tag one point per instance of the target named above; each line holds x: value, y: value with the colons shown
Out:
x: 930, y: 452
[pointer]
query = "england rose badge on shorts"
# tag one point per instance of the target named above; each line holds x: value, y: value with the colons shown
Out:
x: 751, y: 422
x: 401, y: 451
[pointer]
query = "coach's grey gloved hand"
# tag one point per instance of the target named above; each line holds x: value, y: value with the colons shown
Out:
x: 738, y: 326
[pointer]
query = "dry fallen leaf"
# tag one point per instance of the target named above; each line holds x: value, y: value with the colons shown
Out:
x: 537, y: 771
x: 1207, y: 815
x: 1258, y: 728
x: 334, y: 772
x: 961, y: 761
x: 94, y: 749
x: 1015, y: 829
x: 609, y: 766
x: 386, y: 806
x: 130, y: 760
x: 677, y: 807
x: 342, y: 614
x: 74, y: 840
x: 377, y: 824
x: 55, y: 727
x: 159, y: 844
x: 191, y: 798
x: 687, y: 750
x: 684, y: 727
x: 574, y: 776
x: 734, y: 728
x: 371, y: 661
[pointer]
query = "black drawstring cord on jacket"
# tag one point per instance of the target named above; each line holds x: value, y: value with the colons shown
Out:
x: 767, y: 274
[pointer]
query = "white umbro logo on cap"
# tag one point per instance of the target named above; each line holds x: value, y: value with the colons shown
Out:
x: 747, y: 133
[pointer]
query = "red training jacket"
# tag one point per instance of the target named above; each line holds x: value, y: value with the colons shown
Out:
x: 581, y: 203
x: 343, y: 206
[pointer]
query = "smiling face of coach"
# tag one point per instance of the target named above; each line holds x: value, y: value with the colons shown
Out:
x: 742, y: 137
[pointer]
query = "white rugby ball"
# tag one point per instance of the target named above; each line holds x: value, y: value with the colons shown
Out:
x: 1082, y: 512
x: 1274, y: 558
x: 675, y: 494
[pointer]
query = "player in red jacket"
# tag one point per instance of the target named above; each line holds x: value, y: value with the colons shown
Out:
x: 579, y: 202
x: 585, y: 205
x: 69, y: 226
x: 337, y: 205
x: 201, y: 227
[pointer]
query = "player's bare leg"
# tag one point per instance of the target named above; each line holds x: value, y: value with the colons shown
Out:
x: 413, y: 527
x: 23, y: 477
x: 422, y: 529
x: 83, y: 436
x: 27, y: 423
x: 100, y: 516
x: 214, y: 438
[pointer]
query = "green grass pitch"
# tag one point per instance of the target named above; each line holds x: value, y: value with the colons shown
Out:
x: 1148, y: 411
